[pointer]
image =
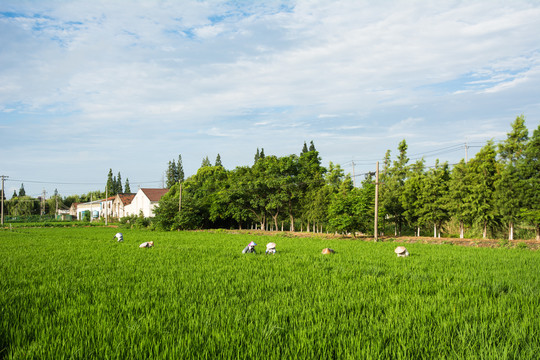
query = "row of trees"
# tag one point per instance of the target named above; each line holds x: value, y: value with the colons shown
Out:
x: 114, y: 184
x: 492, y: 193
x: 24, y: 205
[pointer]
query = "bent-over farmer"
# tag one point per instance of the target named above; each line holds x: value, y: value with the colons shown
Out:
x: 250, y: 248
x: 119, y: 237
x: 271, y: 248
x: 401, y: 251
x: 148, y: 244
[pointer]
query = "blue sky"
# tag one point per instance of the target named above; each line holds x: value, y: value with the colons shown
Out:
x: 130, y: 85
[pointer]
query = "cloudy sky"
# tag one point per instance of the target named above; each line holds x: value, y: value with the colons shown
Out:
x: 86, y: 86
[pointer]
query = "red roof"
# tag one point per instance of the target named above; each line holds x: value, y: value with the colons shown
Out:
x: 154, y: 194
x: 126, y: 198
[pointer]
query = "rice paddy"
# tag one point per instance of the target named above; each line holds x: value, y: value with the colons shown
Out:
x: 77, y: 293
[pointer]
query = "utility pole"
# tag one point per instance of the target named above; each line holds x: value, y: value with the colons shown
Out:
x: 376, y: 229
x: 106, y: 205
x: 43, y: 203
x: 180, y: 196
x: 3, y: 177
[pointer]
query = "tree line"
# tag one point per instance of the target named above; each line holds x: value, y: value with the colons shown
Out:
x: 495, y: 194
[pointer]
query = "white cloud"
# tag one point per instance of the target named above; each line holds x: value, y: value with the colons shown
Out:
x: 272, y: 73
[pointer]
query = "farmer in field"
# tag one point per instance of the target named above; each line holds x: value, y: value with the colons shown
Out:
x: 119, y: 236
x: 327, y: 251
x: 250, y: 248
x: 147, y: 244
x: 270, y: 248
x: 401, y: 251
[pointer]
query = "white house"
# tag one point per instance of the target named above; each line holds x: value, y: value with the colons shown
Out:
x: 107, y: 207
x: 93, y: 207
x: 120, y: 203
x: 145, y: 200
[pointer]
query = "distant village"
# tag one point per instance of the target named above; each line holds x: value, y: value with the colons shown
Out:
x: 117, y: 206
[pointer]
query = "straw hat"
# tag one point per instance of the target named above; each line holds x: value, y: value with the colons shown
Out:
x: 271, y: 245
x: 327, y: 251
x: 400, y: 250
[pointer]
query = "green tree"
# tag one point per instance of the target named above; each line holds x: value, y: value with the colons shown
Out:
x: 127, y: 189
x: 304, y: 149
x: 394, y: 179
x: 118, y: 184
x: 206, y: 162
x: 171, y: 174
x: 411, y: 195
x: 111, y: 183
x: 509, y: 187
x: 218, y: 160
x: 310, y: 180
x: 459, y: 202
x: 529, y: 171
x: 22, y: 192
x: 14, y: 194
x: 483, y: 171
x: 180, y: 169
x: 433, y: 197
x: 256, y: 157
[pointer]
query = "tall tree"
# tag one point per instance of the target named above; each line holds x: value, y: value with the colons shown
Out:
x: 118, y: 185
x: 509, y: 187
x: 14, y: 194
x: 304, y: 149
x: 206, y: 162
x: 529, y: 171
x: 110, y: 186
x: 394, y: 178
x: 310, y: 179
x: 411, y: 195
x: 459, y: 204
x: 171, y: 174
x: 311, y: 146
x: 434, y: 196
x: 218, y: 160
x: 127, y: 189
x: 180, y: 169
x: 22, y: 192
x: 257, y: 156
x: 483, y: 171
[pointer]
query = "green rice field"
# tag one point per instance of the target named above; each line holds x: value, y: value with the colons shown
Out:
x: 75, y: 293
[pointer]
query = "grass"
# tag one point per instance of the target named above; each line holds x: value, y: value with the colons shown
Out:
x: 76, y: 293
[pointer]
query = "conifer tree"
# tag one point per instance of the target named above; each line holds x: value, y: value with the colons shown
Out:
x: 304, y: 149
x: 257, y: 156
x: 118, y: 185
x: 218, y: 160
x: 22, y: 192
x: 509, y: 187
x: 483, y: 176
x: 206, y: 162
x: 171, y: 174
x: 110, y: 183
x: 127, y: 189
x: 529, y: 171
x: 311, y: 146
x: 180, y: 170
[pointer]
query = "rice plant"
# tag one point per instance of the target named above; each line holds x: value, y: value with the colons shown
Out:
x: 76, y: 293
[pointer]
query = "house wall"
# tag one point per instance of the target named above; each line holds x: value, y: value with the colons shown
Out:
x: 141, y: 202
x: 93, y: 206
